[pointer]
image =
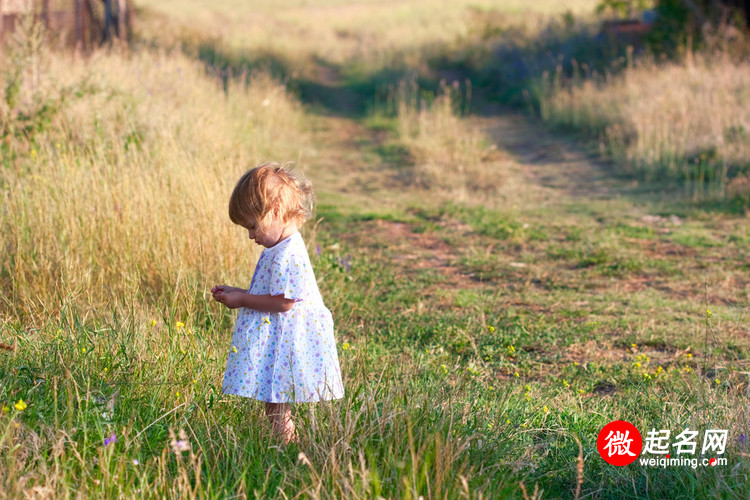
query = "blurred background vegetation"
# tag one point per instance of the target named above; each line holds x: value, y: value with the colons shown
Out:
x: 531, y: 220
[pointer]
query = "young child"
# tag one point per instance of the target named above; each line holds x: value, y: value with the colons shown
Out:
x: 283, y: 349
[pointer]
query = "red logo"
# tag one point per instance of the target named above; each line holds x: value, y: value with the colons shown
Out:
x: 619, y: 443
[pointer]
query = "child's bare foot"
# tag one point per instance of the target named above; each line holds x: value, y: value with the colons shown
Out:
x: 280, y: 415
x: 289, y: 434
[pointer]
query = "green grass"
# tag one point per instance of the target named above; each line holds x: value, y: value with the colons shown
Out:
x: 430, y: 393
x: 484, y: 342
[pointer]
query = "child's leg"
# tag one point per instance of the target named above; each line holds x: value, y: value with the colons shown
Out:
x: 280, y: 415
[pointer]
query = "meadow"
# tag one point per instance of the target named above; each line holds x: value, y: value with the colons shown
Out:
x: 512, y: 261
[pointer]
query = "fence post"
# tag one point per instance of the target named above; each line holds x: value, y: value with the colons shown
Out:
x: 79, y: 24
x: 45, y: 14
x: 108, y: 24
x: 2, y: 22
x: 122, y: 20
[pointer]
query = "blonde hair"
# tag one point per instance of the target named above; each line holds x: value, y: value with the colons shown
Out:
x: 271, y: 188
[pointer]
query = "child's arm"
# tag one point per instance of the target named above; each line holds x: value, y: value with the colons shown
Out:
x: 264, y: 303
x: 225, y: 288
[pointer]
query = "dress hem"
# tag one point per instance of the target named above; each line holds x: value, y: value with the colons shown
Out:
x: 287, y: 401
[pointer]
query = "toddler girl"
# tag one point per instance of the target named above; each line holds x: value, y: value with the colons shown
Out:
x: 283, y: 349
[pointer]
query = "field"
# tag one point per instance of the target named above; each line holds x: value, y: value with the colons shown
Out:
x: 511, y: 263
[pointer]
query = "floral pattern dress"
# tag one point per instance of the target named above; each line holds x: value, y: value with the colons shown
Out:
x: 291, y: 356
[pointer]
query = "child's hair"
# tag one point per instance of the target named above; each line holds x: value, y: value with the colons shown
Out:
x: 268, y: 188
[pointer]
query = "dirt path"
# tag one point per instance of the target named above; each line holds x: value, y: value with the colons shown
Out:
x: 351, y: 175
x: 545, y: 166
x: 549, y: 160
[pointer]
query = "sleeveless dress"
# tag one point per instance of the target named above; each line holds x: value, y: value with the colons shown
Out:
x: 285, y: 357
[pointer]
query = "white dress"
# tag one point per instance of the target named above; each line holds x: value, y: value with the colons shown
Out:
x: 291, y: 356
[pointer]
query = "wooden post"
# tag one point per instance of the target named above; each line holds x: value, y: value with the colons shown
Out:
x: 122, y: 20
x: 45, y: 14
x: 108, y: 24
x: 79, y: 24
x: 2, y: 22
x: 88, y: 20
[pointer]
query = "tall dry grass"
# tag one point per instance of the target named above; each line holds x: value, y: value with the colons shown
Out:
x: 117, y: 194
x: 336, y: 31
x: 687, y: 120
x: 449, y: 152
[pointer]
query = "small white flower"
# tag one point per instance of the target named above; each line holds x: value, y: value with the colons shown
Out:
x: 179, y: 445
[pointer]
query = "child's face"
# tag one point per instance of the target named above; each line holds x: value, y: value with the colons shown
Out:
x: 267, y: 235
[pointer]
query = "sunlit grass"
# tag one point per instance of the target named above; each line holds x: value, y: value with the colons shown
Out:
x: 684, y: 121
x: 339, y: 31
x: 485, y: 337
x: 119, y: 198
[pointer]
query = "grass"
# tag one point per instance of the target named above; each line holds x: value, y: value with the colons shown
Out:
x: 490, y: 319
x: 700, y: 145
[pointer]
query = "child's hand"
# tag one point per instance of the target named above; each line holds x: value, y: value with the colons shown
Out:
x: 228, y: 295
x: 232, y: 299
x: 225, y: 288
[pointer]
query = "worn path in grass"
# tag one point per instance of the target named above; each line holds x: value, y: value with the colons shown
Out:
x: 564, y: 242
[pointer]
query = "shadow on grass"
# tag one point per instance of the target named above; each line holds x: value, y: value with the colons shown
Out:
x: 507, y: 69
x: 319, y: 85
x: 503, y: 64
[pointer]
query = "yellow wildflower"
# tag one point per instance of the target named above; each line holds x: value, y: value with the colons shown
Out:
x: 234, y: 349
x: 179, y: 325
x: 633, y: 345
x: 659, y: 370
x: 445, y: 370
x: 565, y: 383
x: 637, y: 365
x: 490, y: 328
x: 689, y: 355
x: 177, y: 394
x: 345, y: 346
x: 153, y: 322
x: 507, y: 421
x: 511, y: 350
x: 516, y: 375
x: 717, y: 381
x: 21, y: 405
x: 708, y: 313
x: 546, y: 410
